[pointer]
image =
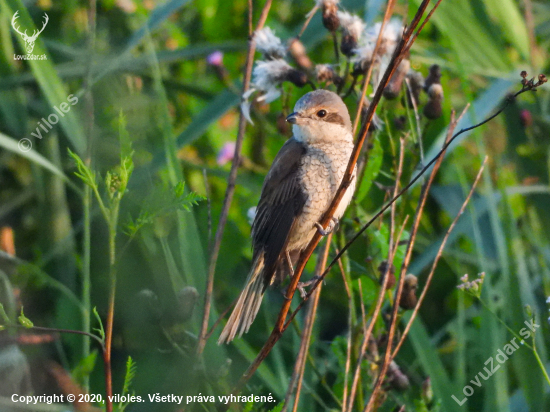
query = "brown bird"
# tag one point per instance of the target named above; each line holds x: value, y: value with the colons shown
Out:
x: 297, y: 191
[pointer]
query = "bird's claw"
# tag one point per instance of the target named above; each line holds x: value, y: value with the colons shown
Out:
x: 302, y: 285
x: 333, y: 224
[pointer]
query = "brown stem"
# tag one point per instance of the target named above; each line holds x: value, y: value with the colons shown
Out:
x: 109, y: 326
x: 309, y: 16
x: 368, y: 74
x: 300, y: 364
x: 231, y: 182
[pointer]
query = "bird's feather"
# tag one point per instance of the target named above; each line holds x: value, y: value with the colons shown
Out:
x: 281, y: 201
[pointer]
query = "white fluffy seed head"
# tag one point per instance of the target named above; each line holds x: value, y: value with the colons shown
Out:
x: 268, y: 44
x: 324, y: 73
x: 327, y: 3
x: 392, y: 33
x: 351, y: 24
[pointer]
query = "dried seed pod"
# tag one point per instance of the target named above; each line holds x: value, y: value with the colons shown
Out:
x: 329, y: 9
x: 299, y: 54
x: 352, y: 27
x: 391, y: 91
x: 296, y: 77
x: 383, y: 269
x: 347, y: 45
x: 434, y: 77
x: 408, y: 296
x: 324, y: 73
x: 434, y: 108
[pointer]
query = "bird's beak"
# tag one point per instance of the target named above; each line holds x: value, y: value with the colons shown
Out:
x: 294, y: 118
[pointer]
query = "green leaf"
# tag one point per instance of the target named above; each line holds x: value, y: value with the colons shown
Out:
x: 211, y: 113
x: 477, y: 47
x: 512, y: 24
x: 131, y: 369
x: 85, y: 367
x: 85, y: 174
x: 99, y: 330
x: 428, y: 356
x: 13, y: 146
x: 278, y: 408
x: 4, y: 316
x: 47, y: 77
x: 158, y: 16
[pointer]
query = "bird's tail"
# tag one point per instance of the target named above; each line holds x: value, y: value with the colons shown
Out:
x: 247, y: 306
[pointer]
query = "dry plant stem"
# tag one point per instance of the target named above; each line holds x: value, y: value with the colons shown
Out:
x: 335, y: 43
x: 304, y: 257
x: 376, y: 312
x: 436, y: 261
x: 220, y: 318
x: 408, y: 255
x: 231, y: 181
x: 417, y: 120
x: 350, y: 329
x: 306, y: 23
x: 368, y: 74
x: 299, y: 366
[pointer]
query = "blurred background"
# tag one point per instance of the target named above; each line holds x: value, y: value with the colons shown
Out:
x: 173, y: 70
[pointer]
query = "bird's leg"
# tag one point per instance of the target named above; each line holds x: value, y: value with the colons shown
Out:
x: 300, y: 285
x: 291, y: 270
x: 310, y: 282
x: 333, y: 224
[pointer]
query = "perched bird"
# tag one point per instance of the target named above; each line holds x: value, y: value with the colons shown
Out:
x: 297, y: 191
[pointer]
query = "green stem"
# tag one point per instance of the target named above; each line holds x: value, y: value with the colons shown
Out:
x: 539, y: 361
x: 112, y: 221
x: 533, y: 348
x: 86, y: 284
x: 505, y: 325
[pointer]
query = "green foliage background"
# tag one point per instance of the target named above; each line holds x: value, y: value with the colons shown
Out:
x: 149, y: 63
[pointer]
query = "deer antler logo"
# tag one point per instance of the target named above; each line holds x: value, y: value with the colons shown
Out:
x: 29, y: 40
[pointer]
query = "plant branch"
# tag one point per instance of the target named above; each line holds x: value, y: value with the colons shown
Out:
x: 299, y: 366
x: 231, y: 180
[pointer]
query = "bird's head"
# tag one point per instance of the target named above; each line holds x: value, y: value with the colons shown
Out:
x: 320, y: 116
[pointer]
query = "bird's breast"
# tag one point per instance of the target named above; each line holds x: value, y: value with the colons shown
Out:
x: 321, y: 171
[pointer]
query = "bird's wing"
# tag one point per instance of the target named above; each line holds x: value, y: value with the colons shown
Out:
x: 281, y: 201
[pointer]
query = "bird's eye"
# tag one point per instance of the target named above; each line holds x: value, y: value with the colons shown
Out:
x: 322, y: 113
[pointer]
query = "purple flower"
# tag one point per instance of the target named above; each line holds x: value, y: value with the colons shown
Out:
x: 215, y: 58
x: 226, y: 153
